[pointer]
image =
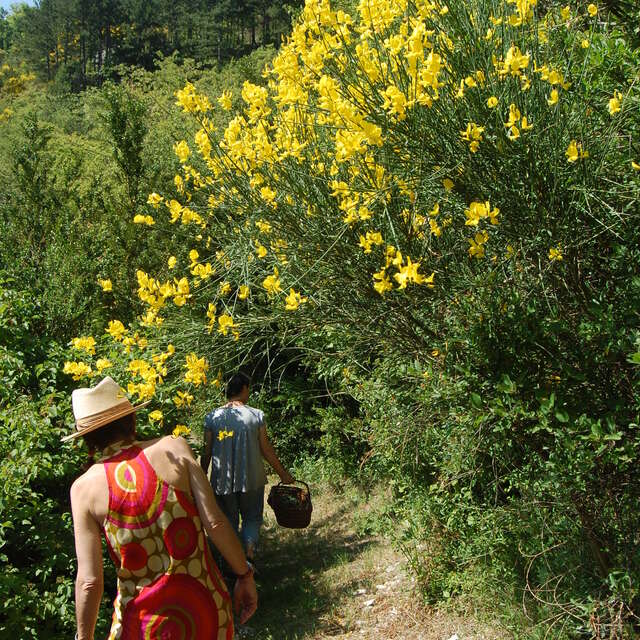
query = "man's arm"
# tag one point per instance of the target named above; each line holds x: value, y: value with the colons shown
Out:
x: 89, y: 580
x: 205, y: 458
x: 269, y: 454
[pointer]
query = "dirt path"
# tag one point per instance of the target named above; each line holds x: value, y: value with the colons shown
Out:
x: 328, y: 581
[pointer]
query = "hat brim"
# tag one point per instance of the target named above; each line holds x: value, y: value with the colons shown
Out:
x: 127, y: 410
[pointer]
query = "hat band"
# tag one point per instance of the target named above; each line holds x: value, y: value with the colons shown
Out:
x: 104, y: 416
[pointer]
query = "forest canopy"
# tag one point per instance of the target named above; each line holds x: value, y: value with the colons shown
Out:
x: 85, y: 40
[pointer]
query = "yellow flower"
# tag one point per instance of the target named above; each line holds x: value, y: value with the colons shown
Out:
x: 565, y: 12
x: 224, y: 289
x: 477, y: 244
x: 479, y: 211
x: 272, y: 283
x: 193, y: 255
x: 294, y: 300
x: 223, y: 433
x: 574, y: 151
x: 382, y: 284
x: 102, y: 364
x: 555, y: 254
x: 615, y: 103
x: 116, y: 329
x: 154, y: 200
x: 182, y: 399
x: 447, y: 184
x: 196, y: 370
x: 492, y: 102
x: 180, y: 430
x: 409, y: 273
x: 592, y: 10
x: 553, y: 98
x: 261, y: 251
x: 473, y: 135
x: 585, y: 44
x: 172, y: 262
x: 77, y: 370
x: 263, y: 226
x: 225, y: 100
x: 243, y: 292
x: 105, y: 284
x: 140, y: 219
x: 514, y: 62
x: 635, y: 165
x: 181, y: 149
x: 268, y: 194
x: 156, y: 416
x: 226, y: 324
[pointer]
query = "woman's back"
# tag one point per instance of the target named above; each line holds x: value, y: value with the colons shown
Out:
x: 168, y: 584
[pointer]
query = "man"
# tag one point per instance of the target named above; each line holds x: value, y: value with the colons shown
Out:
x: 236, y: 435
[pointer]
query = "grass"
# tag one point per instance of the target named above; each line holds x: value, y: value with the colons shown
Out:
x: 332, y: 580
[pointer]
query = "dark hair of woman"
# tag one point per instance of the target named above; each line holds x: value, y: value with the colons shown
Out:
x: 236, y: 384
x: 120, y: 429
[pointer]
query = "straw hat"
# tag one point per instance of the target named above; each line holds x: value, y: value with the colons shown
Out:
x: 93, y: 408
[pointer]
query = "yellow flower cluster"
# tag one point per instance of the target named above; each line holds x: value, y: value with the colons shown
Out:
x: 294, y: 300
x: 326, y: 158
x: 77, y: 370
x: 155, y: 293
x: 479, y: 211
x: 196, y: 370
x: 190, y: 101
x: 180, y: 430
x: 406, y: 272
x: 182, y: 399
x: 150, y: 376
x: 86, y: 343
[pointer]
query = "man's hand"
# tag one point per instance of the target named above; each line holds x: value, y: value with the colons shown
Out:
x: 245, y: 598
x: 287, y: 478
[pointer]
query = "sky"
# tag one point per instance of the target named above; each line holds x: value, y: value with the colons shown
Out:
x: 5, y: 4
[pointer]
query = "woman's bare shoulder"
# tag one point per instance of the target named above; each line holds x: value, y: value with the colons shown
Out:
x: 89, y: 484
x: 170, y: 446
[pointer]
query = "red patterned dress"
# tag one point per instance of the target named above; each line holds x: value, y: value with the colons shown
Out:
x: 169, y: 587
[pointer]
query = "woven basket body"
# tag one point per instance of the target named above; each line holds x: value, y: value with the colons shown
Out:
x: 291, y: 504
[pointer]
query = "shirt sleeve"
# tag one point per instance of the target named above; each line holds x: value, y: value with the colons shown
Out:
x: 208, y: 422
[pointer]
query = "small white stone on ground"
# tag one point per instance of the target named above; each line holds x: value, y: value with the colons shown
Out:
x: 369, y: 603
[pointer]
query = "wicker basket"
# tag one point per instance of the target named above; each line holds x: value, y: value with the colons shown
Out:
x: 291, y: 504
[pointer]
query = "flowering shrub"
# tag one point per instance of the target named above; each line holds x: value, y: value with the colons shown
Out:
x: 431, y: 202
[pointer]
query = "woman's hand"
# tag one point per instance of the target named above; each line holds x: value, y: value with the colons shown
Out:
x: 245, y: 598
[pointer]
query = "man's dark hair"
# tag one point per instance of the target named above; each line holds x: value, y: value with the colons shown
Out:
x: 114, y: 431
x: 236, y: 384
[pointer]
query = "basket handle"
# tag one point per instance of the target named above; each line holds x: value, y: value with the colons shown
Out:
x: 295, y: 480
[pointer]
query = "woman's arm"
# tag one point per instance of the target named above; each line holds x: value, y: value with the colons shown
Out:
x: 89, y: 580
x: 269, y: 454
x: 220, y: 532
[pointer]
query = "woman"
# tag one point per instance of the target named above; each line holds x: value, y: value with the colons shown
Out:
x: 153, y: 503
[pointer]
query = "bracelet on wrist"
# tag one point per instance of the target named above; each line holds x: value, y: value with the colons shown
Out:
x: 248, y: 573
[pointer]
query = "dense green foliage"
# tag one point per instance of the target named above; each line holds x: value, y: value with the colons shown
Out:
x: 501, y: 406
